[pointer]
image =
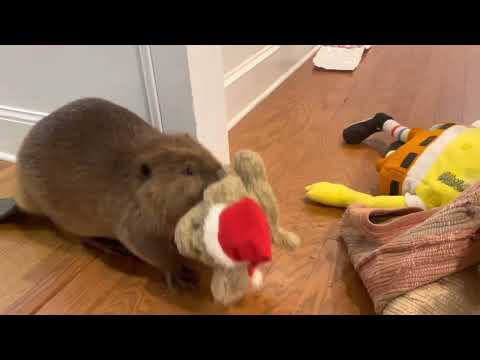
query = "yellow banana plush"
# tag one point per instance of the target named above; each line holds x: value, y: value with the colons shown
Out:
x: 341, y: 196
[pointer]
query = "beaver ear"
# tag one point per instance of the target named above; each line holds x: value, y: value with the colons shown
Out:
x: 145, y: 171
x: 188, y: 137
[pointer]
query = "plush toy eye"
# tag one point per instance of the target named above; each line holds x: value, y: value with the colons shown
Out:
x: 195, y: 225
x: 145, y: 171
x: 188, y: 171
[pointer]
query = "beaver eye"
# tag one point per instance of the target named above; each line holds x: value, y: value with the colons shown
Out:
x: 145, y: 171
x: 188, y: 171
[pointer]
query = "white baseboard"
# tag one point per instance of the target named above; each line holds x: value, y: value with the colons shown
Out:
x: 8, y: 157
x: 15, y: 114
x: 257, y: 77
x: 249, y: 64
x: 14, y: 126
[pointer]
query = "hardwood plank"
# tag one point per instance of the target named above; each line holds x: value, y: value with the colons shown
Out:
x: 4, y: 164
x: 471, y: 110
x: 7, y: 181
x: 35, y: 259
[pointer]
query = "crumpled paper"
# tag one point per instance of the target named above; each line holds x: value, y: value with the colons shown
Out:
x: 339, y: 57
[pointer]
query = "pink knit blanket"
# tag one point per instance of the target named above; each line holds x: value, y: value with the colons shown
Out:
x: 397, y: 251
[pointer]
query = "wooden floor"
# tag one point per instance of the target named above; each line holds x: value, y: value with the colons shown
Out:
x: 298, y: 132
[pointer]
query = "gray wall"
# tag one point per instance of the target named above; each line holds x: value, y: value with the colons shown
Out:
x: 172, y: 75
x: 149, y: 80
x: 42, y: 78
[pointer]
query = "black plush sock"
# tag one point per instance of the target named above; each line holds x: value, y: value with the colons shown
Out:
x: 356, y: 133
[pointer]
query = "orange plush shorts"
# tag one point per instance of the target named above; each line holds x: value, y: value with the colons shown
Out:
x: 394, y: 168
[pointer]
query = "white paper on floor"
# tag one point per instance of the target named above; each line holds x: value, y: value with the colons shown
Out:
x: 339, y: 57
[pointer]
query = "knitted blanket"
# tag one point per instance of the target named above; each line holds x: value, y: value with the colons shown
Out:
x: 418, y: 262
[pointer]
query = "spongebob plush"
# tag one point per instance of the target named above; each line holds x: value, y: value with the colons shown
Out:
x: 422, y: 168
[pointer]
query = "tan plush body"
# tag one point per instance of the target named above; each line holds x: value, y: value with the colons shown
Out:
x: 246, y: 178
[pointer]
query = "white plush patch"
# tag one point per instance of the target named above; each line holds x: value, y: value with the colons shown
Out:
x: 476, y: 124
x: 210, y: 236
x: 414, y: 201
x: 257, y: 279
x: 389, y: 125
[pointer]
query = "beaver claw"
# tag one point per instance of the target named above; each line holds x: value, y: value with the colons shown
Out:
x: 185, y: 279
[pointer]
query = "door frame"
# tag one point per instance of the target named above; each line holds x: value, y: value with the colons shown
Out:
x: 146, y: 65
x: 189, y: 92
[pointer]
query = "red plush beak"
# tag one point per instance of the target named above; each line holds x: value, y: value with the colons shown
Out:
x: 239, y: 234
x: 244, y: 233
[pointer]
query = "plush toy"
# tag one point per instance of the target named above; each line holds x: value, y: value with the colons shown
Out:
x: 232, y: 229
x: 422, y: 168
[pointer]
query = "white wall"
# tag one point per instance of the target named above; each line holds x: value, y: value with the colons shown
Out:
x: 252, y: 72
x: 206, y: 79
x: 189, y: 82
x: 42, y: 78
x: 176, y: 88
x: 35, y: 80
x: 234, y: 55
x: 203, y: 90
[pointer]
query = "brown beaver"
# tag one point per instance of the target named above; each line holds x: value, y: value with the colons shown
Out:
x: 97, y: 170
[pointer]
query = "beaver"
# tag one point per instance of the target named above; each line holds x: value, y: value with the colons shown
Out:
x: 99, y: 171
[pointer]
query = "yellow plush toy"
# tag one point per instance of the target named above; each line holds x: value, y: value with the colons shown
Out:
x: 422, y: 168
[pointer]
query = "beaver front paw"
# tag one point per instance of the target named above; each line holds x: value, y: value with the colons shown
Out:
x: 184, y: 278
